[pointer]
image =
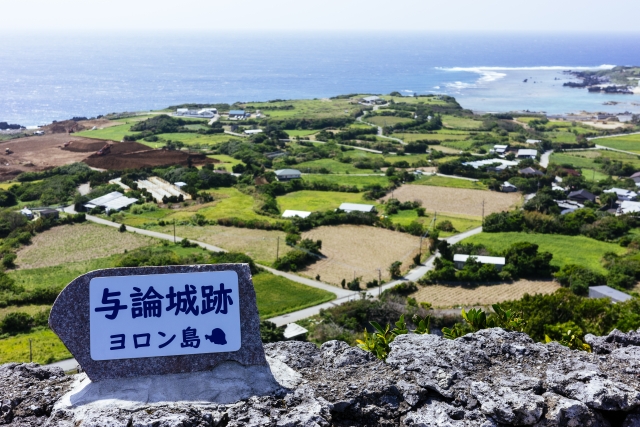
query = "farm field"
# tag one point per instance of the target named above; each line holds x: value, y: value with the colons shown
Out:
x: 307, y: 108
x: 261, y: 245
x: 461, y: 123
x: 387, y: 120
x: 461, y: 223
x: 113, y: 133
x: 47, y: 348
x: 78, y: 242
x: 565, y: 249
x: 225, y: 161
x: 457, y: 145
x: 442, y: 296
x: 307, y: 200
x: 228, y: 203
x: 358, y: 181
x: 626, y: 143
x: 441, y: 181
x: 333, y: 166
x: 456, y: 200
x: 300, y: 133
x: 410, y: 137
x: 359, y: 250
x: 192, y: 139
x: 278, y: 295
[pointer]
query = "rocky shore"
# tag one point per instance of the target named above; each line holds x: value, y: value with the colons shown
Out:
x: 490, y: 378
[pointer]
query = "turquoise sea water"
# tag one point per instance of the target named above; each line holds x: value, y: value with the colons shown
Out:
x: 46, y: 77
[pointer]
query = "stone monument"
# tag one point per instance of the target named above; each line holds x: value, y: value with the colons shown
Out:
x: 134, y: 329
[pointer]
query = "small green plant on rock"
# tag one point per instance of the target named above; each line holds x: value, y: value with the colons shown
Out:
x: 379, y: 341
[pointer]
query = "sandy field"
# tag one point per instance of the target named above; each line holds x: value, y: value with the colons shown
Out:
x: 359, y: 249
x: 441, y: 296
x: 456, y: 200
x: 605, y: 125
x: 80, y: 242
x: 35, y: 153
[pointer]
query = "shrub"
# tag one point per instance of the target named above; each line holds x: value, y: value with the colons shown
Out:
x: 445, y: 226
x: 122, y: 228
x: 15, y: 323
x: 269, y: 332
x: 394, y: 269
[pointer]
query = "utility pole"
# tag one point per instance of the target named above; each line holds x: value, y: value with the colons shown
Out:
x: 483, y: 212
x: 278, y: 249
x: 30, y: 352
x: 174, y: 231
x: 379, y: 282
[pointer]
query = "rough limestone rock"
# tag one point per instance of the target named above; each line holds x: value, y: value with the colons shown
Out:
x: 491, y: 378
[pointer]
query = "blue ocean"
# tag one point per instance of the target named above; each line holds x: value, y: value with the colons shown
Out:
x: 45, y: 77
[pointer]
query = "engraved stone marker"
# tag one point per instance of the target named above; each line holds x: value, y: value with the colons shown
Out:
x: 128, y: 322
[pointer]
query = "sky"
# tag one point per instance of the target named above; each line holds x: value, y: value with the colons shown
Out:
x: 321, y: 15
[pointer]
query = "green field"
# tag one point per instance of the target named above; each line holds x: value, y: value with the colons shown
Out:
x: 47, y: 348
x: 561, y: 137
x: 461, y: 122
x: 308, y: 108
x: 626, y: 143
x: 461, y: 223
x: 441, y: 181
x: 458, y: 145
x: 565, y: 249
x: 359, y: 181
x: 585, y: 161
x: 278, y: 295
x: 113, y: 133
x: 386, y: 120
x: 410, y: 137
x: 300, y: 133
x: 226, y: 161
x: 319, y: 200
x: 333, y: 166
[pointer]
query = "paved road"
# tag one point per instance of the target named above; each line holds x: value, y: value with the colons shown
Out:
x: 612, y: 136
x: 66, y: 365
x: 370, y: 150
x: 602, y: 147
x: 214, y: 119
x: 544, y: 158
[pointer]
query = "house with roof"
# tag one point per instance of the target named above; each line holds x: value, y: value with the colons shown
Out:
x: 371, y: 100
x: 459, y: 260
x: 48, y: 213
x: 568, y: 206
x: 608, y: 292
x: 496, y: 164
x: 627, y: 207
x: 288, y: 174
x: 507, y: 187
x: 357, y: 207
x: 581, y: 196
x: 526, y: 153
x: 27, y: 212
x: 205, y: 113
x: 252, y: 131
x: 113, y: 201
x: 499, y: 149
x: 530, y: 171
x: 636, y: 178
x: 238, y: 115
x: 623, y: 194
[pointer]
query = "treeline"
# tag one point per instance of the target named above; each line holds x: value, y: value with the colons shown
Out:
x: 588, y: 222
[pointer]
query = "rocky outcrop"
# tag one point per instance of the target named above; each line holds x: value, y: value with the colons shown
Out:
x: 490, y: 378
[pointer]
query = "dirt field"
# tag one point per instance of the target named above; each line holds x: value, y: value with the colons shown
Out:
x: 70, y: 125
x: 80, y: 242
x: 456, y: 200
x: 133, y: 155
x: 37, y: 153
x: 261, y: 245
x: 441, y: 296
x: 362, y: 249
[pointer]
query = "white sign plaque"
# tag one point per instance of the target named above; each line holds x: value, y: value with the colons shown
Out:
x: 164, y: 315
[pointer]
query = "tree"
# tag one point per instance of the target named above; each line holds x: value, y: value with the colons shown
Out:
x: 122, y: 228
x: 394, y: 269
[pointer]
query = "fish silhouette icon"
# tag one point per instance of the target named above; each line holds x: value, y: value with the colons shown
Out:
x: 217, y: 336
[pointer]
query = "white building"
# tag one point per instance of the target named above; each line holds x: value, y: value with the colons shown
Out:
x: 527, y: 153
x: 568, y: 206
x: 460, y: 259
x: 291, y: 214
x: 357, y: 207
x: 499, y: 149
x: 533, y: 141
x: 623, y: 194
x: 252, y: 131
x: 504, y: 164
x: 294, y: 330
x: 205, y: 113
x: 628, y: 207
x: 287, y: 174
x: 372, y: 100
x: 507, y: 187
x: 27, y: 212
x: 113, y: 201
x: 608, y: 292
x: 159, y: 188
